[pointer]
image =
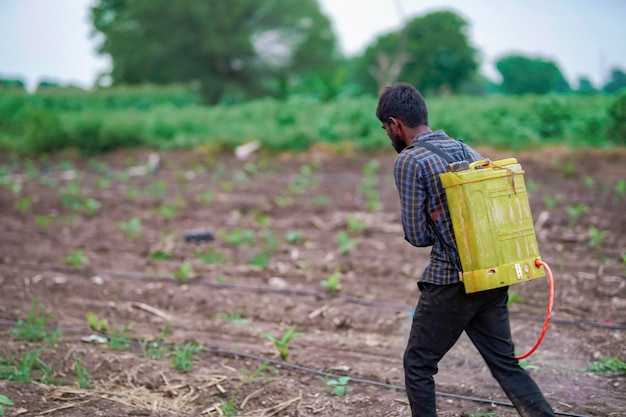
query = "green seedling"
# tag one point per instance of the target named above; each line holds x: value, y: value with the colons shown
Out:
x: 34, y: 328
x: 167, y: 211
x: 283, y: 343
x: 270, y: 240
x: 83, y: 376
x: 597, y: 236
x: 23, y: 371
x: 480, y: 413
x: 182, y: 356
x: 261, y: 260
x: 531, y: 186
x: 77, y: 259
x: 155, y: 349
x: 228, y: 408
x: 346, y: 245
x: 96, y: 324
x: 514, y: 298
x: 283, y: 201
x: 23, y: 204
x: 236, y: 317
x: 620, y: 188
x: 332, y: 284
x: 211, y: 256
x: 550, y: 202
x: 206, y: 197
x: 588, y: 181
x: 574, y: 213
x: 159, y: 255
x: 4, y: 400
x: 523, y: 363
x: 119, y: 338
x: 157, y: 188
x: 183, y: 273
x: 338, y: 387
x: 103, y: 183
x: 132, y: 194
x: 70, y: 196
x: 133, y: 228
x: 608, y: 365
x: 237, y: 237
x: 294, y: 236
x: 355, y: 225
x: 623, y: 256
x: 322, y: 200
x: 248, y: 378
x: 91, y: 206
x: 44, y: 220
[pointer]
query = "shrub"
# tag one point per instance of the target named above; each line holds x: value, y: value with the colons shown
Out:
x: 616, y: 129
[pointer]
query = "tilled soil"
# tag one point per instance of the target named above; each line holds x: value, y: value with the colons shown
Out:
x: 189, y: 323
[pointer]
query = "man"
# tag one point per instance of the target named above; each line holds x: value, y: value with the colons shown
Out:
x: 444, y: 310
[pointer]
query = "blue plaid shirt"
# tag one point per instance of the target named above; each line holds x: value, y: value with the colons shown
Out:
x: 422, y: 196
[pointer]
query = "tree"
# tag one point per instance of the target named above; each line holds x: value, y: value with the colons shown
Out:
x: 244, y: 48
x: 585, y: 86
x: 617, y: 81
x: 431, y: 52
x: 521, y: 75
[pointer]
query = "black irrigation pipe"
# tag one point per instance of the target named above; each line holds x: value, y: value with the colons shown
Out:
x: 237, y: 354
x: 306, y: 293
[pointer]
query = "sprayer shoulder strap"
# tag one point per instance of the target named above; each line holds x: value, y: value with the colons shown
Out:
x: 446, y: 157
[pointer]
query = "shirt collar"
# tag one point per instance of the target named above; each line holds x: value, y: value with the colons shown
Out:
x: 429, y: 135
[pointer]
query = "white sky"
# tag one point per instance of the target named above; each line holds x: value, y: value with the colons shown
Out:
x: 49, y: 39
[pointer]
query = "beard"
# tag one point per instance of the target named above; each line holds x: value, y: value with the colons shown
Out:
x: 398, y: 144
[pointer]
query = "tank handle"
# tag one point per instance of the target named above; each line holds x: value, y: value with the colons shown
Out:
x: 501, y: 164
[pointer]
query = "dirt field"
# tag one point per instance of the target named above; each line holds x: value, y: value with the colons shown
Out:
x: 188, y: 322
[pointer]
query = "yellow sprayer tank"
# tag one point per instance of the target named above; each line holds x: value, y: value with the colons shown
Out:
x: 493, y: 225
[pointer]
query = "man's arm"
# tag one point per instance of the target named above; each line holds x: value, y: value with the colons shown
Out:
x: 413, y: 200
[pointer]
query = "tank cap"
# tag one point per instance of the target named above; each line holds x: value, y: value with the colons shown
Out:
x: 458, y: 166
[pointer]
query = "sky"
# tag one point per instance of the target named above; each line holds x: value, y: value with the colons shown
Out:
x: 50, y: 39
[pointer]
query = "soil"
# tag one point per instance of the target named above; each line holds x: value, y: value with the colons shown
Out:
x: 221, y: 310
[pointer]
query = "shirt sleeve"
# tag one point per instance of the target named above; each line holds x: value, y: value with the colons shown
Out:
x: 413, y: 201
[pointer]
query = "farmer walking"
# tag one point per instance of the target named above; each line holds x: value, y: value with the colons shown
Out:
x: 444, y: 310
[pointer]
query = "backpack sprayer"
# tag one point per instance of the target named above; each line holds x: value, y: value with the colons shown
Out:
x: 493, y: 226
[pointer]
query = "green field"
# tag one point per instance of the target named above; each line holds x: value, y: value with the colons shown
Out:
x: 174, y: 118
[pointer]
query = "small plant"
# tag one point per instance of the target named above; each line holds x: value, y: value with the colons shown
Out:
x: 332, y: 284
x: 44, y: 221
x: 22, y: 371
x: 623, y: 256
x: 159, y: 255
x: 236, y: 317
x: 620, y: 188
x: 247, y: 378
x: 523, y: 363
x: 550, y: 202
x: 339, y: 386
x: 211, y: 256
x: 589, y: 181
x: 597, y: 236
x: 34, y: 328
x: 96, y: 324
x: 83, y: 376
x: 154, y: 349
x: 206, y: 197
x: 574, y: 213
x: 91, y: 206
x: 480, y: 413
x: 132, y: 194
x: 77, y: 259
x: 157, y: 188
x: 346, y: 245
x: 23, y: 204
x: 184, y: 273
x: 4, y: 400
x: 119, y: 339
x: 237, y: 237
x: 294, y: 236
x: 606, y: 365
x: 167, y: 211
x: 133, y: 228
x: 514, y: 298
x: 355, y: 225
x: 182, y: 356
x: 283, y: 343
x: 261, y: 260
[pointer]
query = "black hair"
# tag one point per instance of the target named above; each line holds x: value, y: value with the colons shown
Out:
x: 405, y: 102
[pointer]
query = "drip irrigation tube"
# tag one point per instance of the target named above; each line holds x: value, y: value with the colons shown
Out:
x: 237, y: 354
x: 308, y: 293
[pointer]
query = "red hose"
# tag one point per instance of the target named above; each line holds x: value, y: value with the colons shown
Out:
x: 539, y: 263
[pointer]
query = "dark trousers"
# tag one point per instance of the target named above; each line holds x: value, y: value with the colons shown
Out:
x: 442, y: 314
